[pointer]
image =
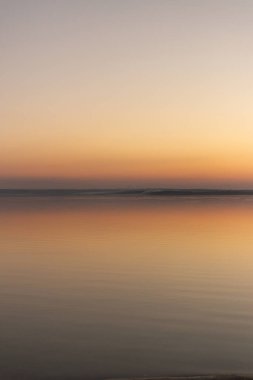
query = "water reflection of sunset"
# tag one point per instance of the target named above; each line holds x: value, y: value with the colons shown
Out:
x: 211, y: 231
x: 158, y: 217
x: 77, y: 273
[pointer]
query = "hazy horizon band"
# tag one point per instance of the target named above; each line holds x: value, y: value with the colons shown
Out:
x: 126, y: 192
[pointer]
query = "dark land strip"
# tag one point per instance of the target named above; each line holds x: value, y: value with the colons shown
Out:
x: 123, y: 192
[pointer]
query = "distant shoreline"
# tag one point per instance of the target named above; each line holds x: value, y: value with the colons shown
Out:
x: 123, y: 192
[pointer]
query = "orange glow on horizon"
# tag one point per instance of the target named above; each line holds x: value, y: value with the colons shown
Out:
x: 139, y: 99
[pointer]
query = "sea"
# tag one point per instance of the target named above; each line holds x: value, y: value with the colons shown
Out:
x: 125, y: 283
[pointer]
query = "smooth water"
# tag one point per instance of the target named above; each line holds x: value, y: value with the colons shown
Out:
x: 98, y: 287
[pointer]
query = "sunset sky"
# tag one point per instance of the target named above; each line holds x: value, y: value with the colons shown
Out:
x: 111, y: 93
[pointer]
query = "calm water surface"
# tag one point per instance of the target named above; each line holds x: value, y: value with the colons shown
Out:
x: 116, y: 286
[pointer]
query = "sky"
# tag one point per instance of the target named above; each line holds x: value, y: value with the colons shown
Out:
x: 115, y: 93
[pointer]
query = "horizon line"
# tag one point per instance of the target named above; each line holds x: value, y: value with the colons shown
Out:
x: 144, y: 191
